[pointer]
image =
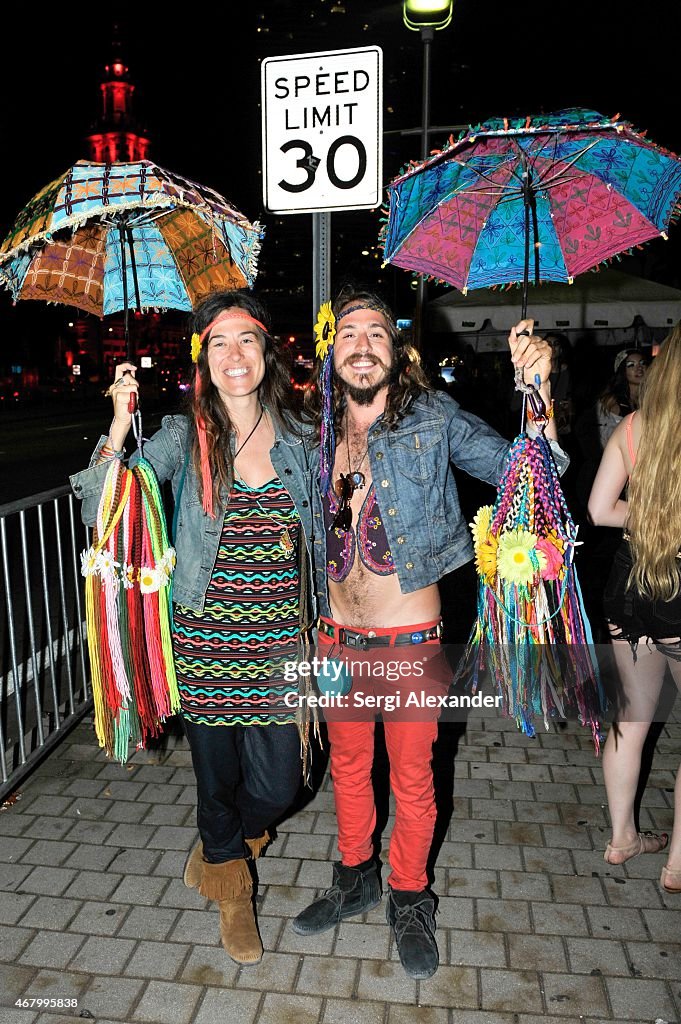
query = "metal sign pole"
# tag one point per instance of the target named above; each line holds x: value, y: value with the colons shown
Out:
x: 321, y: 261
x: 427, y: 35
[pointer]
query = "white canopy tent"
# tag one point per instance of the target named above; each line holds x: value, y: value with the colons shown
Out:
x: 604, y: 303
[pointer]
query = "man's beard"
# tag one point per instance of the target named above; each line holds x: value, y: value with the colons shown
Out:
x: 364, y: 395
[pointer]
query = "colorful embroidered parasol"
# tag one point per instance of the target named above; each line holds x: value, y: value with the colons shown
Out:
x: 103, y: 235
x: 542, y: 198
x: 93, y: 238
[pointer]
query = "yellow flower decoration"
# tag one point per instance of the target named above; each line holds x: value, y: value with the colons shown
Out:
x: 89, y: 562
x: 151, y: 580
x: 553, y: 538
x: 196, y: 347
x: 517, y: 557
x: 486, y: 558
x: 167, y: 562
x: 481, y: 524
x: 324, y: 330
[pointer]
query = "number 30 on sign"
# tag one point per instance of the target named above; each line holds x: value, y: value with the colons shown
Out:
x: 322, y: 126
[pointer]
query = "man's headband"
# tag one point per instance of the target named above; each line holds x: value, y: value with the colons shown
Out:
x: 365, y: 305
x: 227, y: 314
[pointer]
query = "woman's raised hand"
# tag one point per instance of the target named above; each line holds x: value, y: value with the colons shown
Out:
x: 124, y: 393
x: 530, y: 352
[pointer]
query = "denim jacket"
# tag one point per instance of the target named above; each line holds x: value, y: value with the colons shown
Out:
x: 411, y: 468
x: 197, y: 535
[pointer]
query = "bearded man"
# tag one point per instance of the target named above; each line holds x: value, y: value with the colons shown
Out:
x: 392, y: 528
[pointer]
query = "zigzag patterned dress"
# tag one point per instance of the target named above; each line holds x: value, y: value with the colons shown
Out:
x: 230, y: 660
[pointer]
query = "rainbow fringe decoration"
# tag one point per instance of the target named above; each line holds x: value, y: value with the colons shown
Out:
x: 127, y: 605
x: 532, y: 631
x: 327, y: 444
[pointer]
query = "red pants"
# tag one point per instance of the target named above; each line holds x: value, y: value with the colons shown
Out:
x: 410, y: 748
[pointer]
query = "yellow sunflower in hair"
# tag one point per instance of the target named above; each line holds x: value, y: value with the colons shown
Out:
x: 518, y: 558
x: 196, y: 347
x: 324, y: 330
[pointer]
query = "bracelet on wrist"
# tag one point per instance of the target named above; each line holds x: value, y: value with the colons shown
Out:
x: 107, y: 451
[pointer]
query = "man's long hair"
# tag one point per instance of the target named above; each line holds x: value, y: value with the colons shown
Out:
x: 407, y: 377
x: 275, y: 389
x: 654, y: 519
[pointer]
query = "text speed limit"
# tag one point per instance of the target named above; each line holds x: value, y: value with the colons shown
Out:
x: 322, y: 129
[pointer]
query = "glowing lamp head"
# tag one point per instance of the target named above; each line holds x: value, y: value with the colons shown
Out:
x: 435, y: 14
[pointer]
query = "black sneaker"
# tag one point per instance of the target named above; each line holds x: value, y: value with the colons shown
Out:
x: 411, y: 915
x: 354, y: 891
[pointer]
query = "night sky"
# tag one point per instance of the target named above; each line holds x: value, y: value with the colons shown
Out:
x: 198, y: 88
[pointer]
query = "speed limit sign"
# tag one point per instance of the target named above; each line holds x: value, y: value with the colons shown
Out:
x: 322, y: 125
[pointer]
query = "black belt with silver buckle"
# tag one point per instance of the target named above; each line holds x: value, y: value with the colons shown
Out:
x: 351, y: 638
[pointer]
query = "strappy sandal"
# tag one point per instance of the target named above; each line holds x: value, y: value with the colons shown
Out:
x: 670, y: 880
x: 636, y: 848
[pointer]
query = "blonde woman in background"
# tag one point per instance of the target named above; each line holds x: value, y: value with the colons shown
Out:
x: 642, y: 600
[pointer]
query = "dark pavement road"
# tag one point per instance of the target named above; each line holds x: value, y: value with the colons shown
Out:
x: 38, y: 450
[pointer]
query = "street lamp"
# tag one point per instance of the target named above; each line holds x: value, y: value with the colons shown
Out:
x: 426, y: 17
x: 433, y: 14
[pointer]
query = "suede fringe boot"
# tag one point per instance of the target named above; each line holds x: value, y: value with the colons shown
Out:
x: 257, y: 845
x: 193, y: 868
x: 231, y: 885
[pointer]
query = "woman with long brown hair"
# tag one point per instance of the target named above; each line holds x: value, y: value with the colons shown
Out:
x: 242, y: 496
x: 642, y: 598
x: 622, y: 392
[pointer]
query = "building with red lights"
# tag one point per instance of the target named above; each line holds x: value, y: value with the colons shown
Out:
x: 117, y: 137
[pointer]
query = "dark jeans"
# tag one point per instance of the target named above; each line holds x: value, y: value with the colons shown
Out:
x: 246, y: 777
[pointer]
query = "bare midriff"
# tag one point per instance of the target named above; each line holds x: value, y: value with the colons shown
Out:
x: 364, y: 600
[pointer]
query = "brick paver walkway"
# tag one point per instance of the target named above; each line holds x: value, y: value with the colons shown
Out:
x: 533, y: 926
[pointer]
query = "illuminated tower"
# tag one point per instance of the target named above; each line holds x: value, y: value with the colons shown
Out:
x: 116, y: 135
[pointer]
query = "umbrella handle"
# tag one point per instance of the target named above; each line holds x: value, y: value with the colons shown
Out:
x: 132, y: 403
x: 532, y: 393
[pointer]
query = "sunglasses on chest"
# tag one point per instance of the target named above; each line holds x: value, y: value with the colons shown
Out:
x: 344, y: 488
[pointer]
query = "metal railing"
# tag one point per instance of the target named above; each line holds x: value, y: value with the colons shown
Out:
x: 44, y: 670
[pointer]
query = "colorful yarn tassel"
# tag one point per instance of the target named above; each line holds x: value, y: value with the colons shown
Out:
x: 532, y: 631
x: 127, y: 608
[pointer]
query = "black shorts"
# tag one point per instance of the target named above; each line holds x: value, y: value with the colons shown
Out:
x: 635, y: 615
